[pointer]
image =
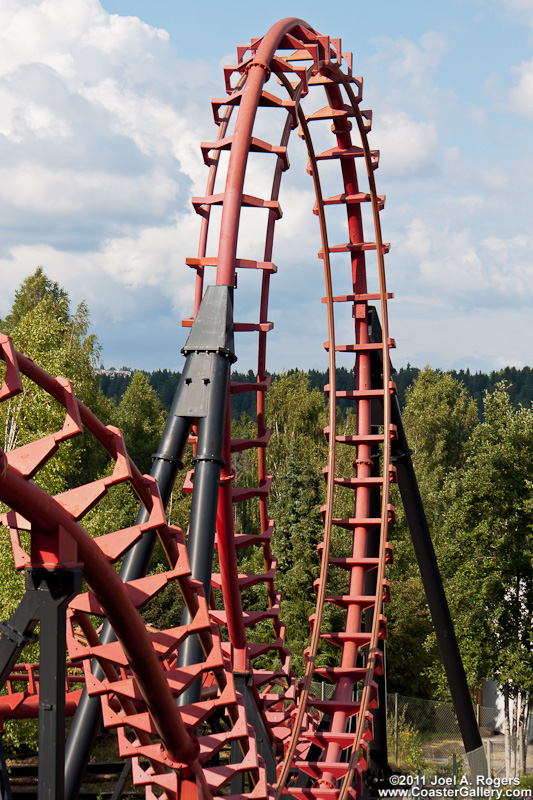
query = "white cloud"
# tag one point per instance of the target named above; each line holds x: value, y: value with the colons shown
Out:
x: 93, y: 86
x: 408, y: 147
x: 66, y: 34
x: 412, y: 112
x: 411, y: 60
x: 21, y: 120
x: 407, y: 71
x: 449, y: 265
x: 479, y: 116
x: 508, y: 245
x: 454, y: 265
x: 153, y: 257
x: 518, y: 5
x: 459, y: 340
x: 100, y: 129
x: 35, y: 188
x: 521, y: 95
x: 158, y: 129
x: 417, y: 241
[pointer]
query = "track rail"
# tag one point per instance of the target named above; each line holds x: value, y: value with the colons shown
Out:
x: 142, y: 680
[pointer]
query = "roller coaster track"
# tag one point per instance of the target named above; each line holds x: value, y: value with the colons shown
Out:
x: 205, y: 743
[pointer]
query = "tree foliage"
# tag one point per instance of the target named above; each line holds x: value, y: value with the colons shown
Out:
x: 487, y: 548
x: 141, y: 418
x: 32, y: 291
x: 439, y: 419
x: 43, y: 327
x: 296, y: 454
x: 299, y: 529
x: 490, y: 503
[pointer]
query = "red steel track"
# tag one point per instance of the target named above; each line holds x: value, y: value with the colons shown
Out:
x: 142, y: 680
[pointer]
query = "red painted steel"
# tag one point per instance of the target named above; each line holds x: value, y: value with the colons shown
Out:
x: 142, y: 679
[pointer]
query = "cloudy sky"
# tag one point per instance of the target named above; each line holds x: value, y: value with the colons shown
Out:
x: 102, y: 109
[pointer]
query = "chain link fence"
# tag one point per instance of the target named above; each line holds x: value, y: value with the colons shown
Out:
x: 323, y: 690
x: 424, y: 734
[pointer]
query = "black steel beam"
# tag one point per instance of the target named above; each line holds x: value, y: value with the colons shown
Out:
x: 431, y: 578
x: 56, y: 589
x: 209, y: 356
x: 45, y: 602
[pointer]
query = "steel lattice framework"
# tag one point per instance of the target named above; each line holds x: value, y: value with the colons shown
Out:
x: 183, y: 739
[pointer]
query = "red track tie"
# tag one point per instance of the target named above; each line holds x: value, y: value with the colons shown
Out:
x: 256, y: 146
x: 355, y: 247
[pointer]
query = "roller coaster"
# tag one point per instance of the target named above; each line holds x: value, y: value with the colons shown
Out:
x: 203, y: 710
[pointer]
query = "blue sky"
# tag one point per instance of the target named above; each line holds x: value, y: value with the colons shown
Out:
x: 103, y: 107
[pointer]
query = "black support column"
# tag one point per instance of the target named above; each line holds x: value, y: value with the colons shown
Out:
x: 431, y: 578
x: 438, y: 605
x: 209, y: 351
x: 45, y: 602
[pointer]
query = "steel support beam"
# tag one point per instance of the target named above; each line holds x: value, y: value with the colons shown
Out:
x: 209, y: 351
x: 436, y: 597
x: 242, y: 685
x: 431, y: 579
x: 45, y: 603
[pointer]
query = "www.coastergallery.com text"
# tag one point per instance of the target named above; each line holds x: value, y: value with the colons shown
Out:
x: 426, y: 788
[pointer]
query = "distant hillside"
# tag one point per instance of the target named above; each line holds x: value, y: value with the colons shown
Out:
x: 520, y: 383
x: 165, y: 382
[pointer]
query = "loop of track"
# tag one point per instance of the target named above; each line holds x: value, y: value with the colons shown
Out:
x: 312, y: 61
x: 138, y: 696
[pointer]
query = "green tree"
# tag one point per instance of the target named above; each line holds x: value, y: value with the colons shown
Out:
x: 43, y: 327
x: 32, y: 291
x: 299, y: 529
x: 296, y: 413
x: 487, y: 555
x: 438, y: 418
x: 141, y: 417
x: 296, y: 454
